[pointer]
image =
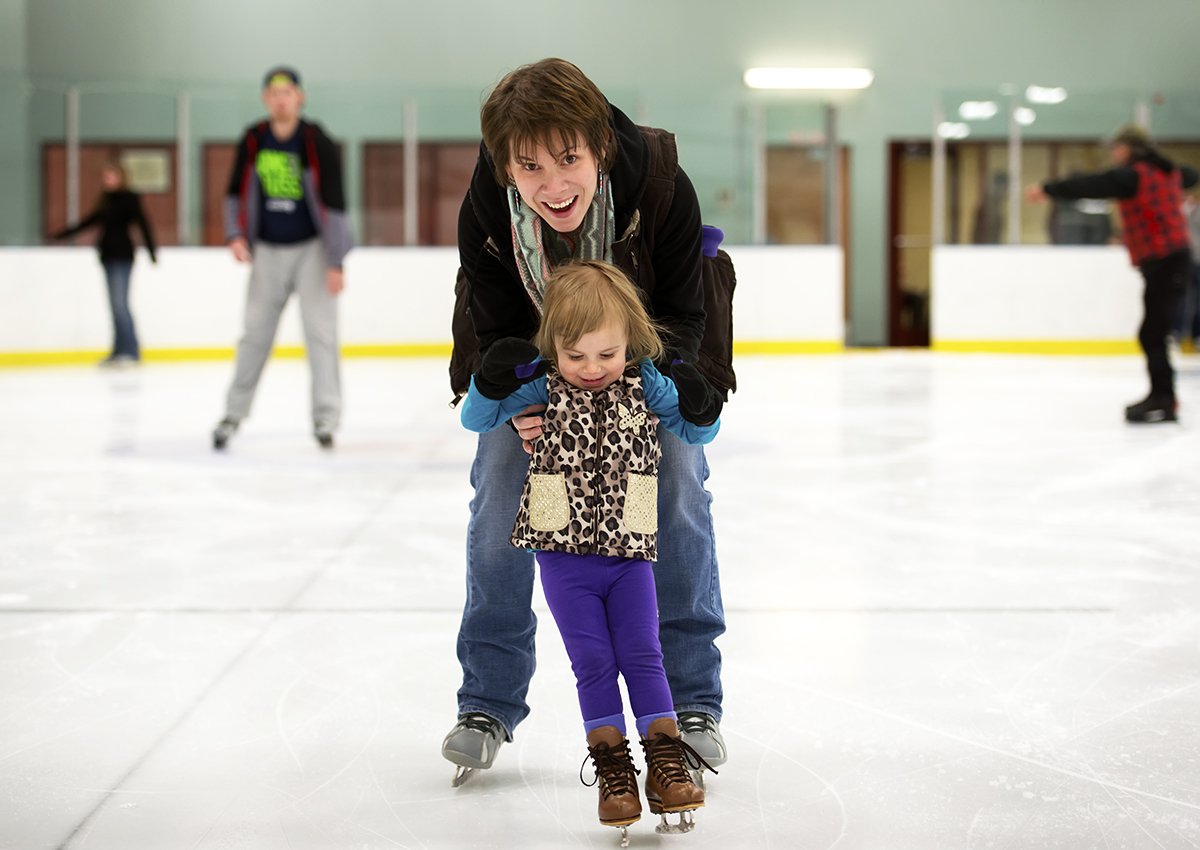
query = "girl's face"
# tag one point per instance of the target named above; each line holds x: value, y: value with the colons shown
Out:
x: 595, y: 360
x: 110, y: 180
x: 558, y: 186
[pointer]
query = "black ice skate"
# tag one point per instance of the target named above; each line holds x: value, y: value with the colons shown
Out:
x: 1154, y: 408
x: 222, y: 433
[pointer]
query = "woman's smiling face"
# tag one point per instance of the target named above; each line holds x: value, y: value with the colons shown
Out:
x: 557, y: 185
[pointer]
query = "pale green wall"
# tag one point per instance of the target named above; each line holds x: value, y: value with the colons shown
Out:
x: 16, y: 176
x: 675, y: 63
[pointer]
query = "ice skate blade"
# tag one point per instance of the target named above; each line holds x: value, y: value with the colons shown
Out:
x: 624, y: 835
x: 687, y: 822
x: 461, y: 775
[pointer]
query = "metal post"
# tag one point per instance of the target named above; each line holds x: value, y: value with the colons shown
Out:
x: 760, y: 174
x: 937, y: 232
x: 1014, y: 176
x: 412, y: 173
x: 833, y: 200
x: 1141, y: 115
x: 72, y: 128
x: 182, y: 171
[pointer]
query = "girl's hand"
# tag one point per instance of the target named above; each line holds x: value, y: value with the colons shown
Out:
x: 529, y: 425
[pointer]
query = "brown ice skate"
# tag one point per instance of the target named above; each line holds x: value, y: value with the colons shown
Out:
x: 616, y: 777
x: 669, y: 785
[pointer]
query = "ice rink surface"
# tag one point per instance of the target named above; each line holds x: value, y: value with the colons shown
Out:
x: 963, y: 601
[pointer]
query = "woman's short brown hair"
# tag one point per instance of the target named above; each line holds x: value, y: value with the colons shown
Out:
x: 585, y: 296
x: 551, y: 103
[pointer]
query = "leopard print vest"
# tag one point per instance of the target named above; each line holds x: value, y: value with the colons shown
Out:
x: 592, y: 486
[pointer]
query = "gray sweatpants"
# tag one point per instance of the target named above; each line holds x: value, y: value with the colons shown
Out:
x: 277, y: 272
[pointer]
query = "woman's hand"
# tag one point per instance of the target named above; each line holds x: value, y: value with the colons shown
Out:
x: 529, y: 425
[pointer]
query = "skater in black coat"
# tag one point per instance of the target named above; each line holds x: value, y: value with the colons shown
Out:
x: 115, y: 212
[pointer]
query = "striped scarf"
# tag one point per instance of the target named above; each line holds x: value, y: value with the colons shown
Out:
x: 537, y: 255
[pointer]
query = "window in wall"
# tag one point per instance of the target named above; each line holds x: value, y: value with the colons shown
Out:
x: 444, y: 175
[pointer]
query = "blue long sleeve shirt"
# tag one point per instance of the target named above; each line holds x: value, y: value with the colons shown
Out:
x: 481, y: 414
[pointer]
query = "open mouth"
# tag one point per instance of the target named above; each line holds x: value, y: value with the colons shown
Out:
x: 562, y: 207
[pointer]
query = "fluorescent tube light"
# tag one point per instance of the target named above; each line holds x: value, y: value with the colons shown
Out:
x: 953, y: 130
x: 1038, y: 94
x: 1024, y: 116
x: 978, y: 110
x: 808, y: 78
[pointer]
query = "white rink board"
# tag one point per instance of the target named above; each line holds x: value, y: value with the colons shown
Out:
x: 193, y: 298
x: 1003, y: 292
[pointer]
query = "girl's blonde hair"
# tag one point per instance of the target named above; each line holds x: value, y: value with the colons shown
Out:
x: 585, y: 296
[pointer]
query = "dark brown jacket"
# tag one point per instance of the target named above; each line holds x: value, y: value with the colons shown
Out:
x: 658, y: 246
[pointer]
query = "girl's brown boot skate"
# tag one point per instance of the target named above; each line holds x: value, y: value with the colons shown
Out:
x: 617, y: 778
x: 669, y: 785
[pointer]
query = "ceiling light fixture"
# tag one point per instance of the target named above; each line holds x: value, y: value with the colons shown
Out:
x: 808, y: 78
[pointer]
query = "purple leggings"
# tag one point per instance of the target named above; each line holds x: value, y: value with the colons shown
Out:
x: 607, y: 613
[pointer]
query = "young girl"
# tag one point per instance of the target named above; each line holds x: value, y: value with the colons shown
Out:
x: 590, y: 507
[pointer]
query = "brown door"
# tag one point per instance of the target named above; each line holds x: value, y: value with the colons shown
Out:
x: 151, y: 170
x: 444, y: 172
x: 910, y: 229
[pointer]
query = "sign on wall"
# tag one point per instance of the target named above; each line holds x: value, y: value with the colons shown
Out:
x: 147, y: 171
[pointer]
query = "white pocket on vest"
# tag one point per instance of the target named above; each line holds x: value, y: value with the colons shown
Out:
x: 641, y: 504
x: 548, y: 508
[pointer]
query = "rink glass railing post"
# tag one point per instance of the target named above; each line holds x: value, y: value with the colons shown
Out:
x: 412, y: 173
x: 759, y: 135
x: 938, y: 230
x: 182, y: 172
x: 833, y: 207
x: 1014, y: 174
x: 71, y: 107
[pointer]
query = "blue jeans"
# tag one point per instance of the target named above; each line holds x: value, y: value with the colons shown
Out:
x: 496, y: 638
x: 116, y: 273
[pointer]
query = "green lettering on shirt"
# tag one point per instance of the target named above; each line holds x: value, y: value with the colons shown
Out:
x: 279, y: 172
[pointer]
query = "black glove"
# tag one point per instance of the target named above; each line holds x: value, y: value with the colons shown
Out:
x: 699, y: 403
x: 508, y: 364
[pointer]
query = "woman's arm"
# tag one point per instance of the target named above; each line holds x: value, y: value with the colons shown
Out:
x: 678, y: 297
x: 499, y: 306
x: 139, y: 214
x: 663, y: 399
x: 482, y: 414
x: 79, y: 228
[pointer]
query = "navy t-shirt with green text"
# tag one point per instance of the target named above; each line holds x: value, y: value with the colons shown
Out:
x: 285, y: 218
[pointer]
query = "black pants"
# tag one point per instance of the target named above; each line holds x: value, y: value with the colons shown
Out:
x: 1166, y: 280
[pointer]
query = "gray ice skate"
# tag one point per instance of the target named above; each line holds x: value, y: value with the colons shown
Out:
x: 223, y: 431
x: 702, y: 733
x: 472, y: 745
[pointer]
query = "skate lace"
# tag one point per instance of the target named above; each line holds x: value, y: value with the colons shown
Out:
x: 696, y: 723
x: 613, y: 768
x: 668, y: 759
x: 479, y: 723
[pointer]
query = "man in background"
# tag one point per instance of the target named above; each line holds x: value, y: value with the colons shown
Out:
x: 285, y: 213
x: 1149, y: 190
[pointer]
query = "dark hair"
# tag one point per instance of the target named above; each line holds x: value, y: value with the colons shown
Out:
x: 551, y: 103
